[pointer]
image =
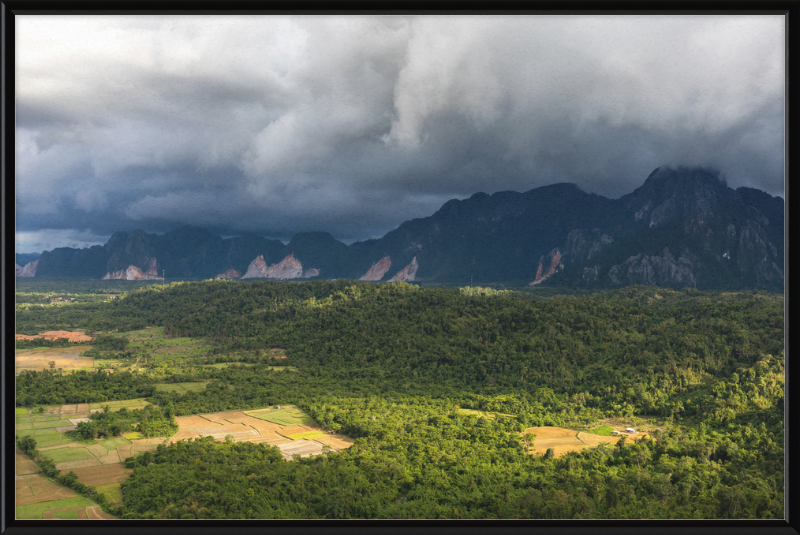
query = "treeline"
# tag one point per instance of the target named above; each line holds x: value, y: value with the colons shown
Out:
x: 81, y: 386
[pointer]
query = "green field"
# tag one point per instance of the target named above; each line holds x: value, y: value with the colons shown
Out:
x: 289, y: 416
x: 62, y: 455
x: 35, y: 511
x: 602, y: 430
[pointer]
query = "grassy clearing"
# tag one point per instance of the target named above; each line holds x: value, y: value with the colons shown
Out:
x: 35, y: 511
x: 182, y: 388
x: 482, y: 414
x: 20, y: 410
x: 285, y: 416
x: 133, y: 435
x: 62, y: 455
x: 111, y: 490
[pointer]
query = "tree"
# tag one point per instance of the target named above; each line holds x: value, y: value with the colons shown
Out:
x: 550, y: 453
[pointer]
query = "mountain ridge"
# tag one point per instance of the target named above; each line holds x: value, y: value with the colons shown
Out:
x: 681, y: 227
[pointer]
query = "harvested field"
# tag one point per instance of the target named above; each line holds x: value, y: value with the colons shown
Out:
x: 565, y: 440
x: 114, y: 443
x: 66, y: 358
x: 193, y: 421
x: 101, y: 475
x: 76, y: 421
x: 290, y: 430
x: 111, y: 458
x: 336, y: 441
x: 310, y: 435
x: 304, y: 448
x: 124, y: 452
x: 113, y: 406
x: 72, y: 336
x: 68, y: 409
x: 38, y: 489
x: 24, y: 465
x: 560, y: 439
x: 80, y: 463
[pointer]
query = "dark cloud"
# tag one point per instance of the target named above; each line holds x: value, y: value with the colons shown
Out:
x: 277, y: 125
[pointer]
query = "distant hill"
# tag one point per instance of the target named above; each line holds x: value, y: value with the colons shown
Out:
x: 684, y: 227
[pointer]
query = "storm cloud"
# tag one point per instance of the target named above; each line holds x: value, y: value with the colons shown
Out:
x: 353, y: 124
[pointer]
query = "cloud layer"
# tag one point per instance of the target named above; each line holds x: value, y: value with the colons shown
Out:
x: 352, y: 125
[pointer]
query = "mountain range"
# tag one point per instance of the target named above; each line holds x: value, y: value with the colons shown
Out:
x: 684, y: 227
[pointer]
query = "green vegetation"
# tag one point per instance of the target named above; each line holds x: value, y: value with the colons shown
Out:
x: 287, y: 416
x: 602, y: 430
x: 61, y: 455
x: 35, y: 511
x: 436, y: 386
x: 150, y: 421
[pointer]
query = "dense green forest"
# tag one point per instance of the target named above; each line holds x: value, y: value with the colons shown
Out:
x: 392, y: 364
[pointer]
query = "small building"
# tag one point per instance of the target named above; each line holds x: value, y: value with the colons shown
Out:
x: 630, y: 430
x: 615, y: 432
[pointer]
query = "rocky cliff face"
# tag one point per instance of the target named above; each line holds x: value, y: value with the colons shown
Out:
x: 28, y: 270
x: 230, y: 274
x: 548, y: 266
x: 408, y: 273
x: 378, y: 270
x: 257, y: 269
x: 288, y: 268
x: 132, y: 273
x: 661, y: 270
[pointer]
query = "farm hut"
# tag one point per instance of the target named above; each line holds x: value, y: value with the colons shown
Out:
x: 630, y: 430
x: 615, y: 432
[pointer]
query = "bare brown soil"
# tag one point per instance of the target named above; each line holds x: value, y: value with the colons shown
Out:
x: 24, y: 465
x: 564, y: 440
x: 55, y: 335
x: 101, y: 475
x: 95, y: 513
x: 66, y: 358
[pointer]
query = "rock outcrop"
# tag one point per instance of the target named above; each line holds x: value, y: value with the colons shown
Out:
x: 378, y: 270
x: 133, y: 273
x: 28, y: 270
x: 257, y: 269
x: 548, y: 266
x: 230, y: 274
x: 288, y: 268
x: 408, y: 273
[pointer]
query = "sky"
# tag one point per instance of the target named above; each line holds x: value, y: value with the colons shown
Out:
x: 353, y: 124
